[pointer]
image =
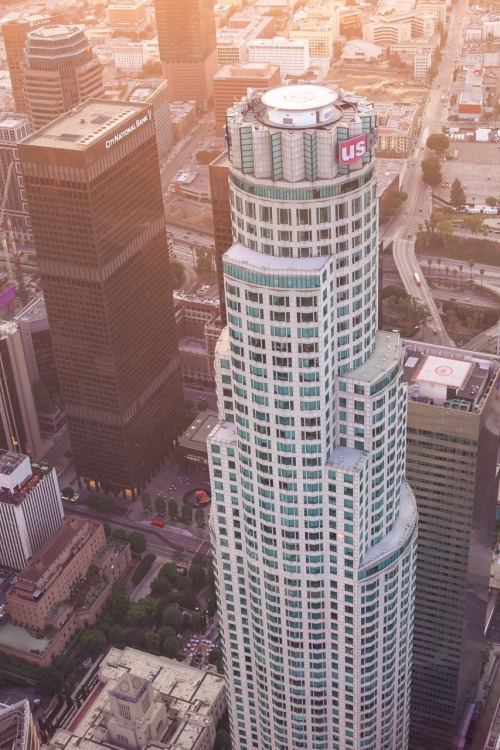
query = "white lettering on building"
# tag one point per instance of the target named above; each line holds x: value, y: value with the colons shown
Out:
x: 130, y: 129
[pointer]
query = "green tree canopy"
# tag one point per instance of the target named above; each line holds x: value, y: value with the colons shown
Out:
x: 137, y: 542
x: 187, y: 513
x: 94, y: 641
x: 172, y: 618
x: 431, y: 170
x: 169, y: 570
x: 146, y: 500
x: 161, y: 585
x: 491, y: 201
x: 438, y: 142
x: 474, y: 223
x: 177, y: 273
x: 153, y: 643
x: 202, y: 404
x: 457, y: 194
x: 120, y: 535
x: 50, y: 681
x: 173, y: 508
x: 198, y: 576
x: 170, y: 647
x: 160, y: 505
x: 118, y: 602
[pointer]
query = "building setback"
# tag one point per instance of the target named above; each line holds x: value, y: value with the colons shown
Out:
x: 453, y: 431
x: 313, y: 524
x: 59, y: 71
x: 14, y: 37
x: 94, y: 191
x: 218, y: 172
x: 30, y: 508
x: 188, y: 52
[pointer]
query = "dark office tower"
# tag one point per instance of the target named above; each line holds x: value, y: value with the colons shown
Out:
x: 218, y: 172
x: 187, y: 41
x: 95, y: 198
x: 14, y: 37
x: 59, y: 71
x: 453, y: 430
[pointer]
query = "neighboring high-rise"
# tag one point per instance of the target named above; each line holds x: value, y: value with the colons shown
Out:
x: 453, y: 432
x: 19, y: 430
x: 314, y: 527
x: 59, y: 71
x: 232, y: 82
x: 94, y: 192
x: 187, y: 42
x: 13, y: 128
x: 14, y: 37
x: 30, y: 508
x: 155, y: 92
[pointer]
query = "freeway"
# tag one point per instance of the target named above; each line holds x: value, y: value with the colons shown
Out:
x: 419, y: 202
x: 482, y: 340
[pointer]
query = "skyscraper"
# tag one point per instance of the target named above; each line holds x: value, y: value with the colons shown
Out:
x: 14, y: 37
x: 187, y: 42
x: 453, y: 432
x: 30, y: 508
x: 17, y: 728
x: 94, y: 192
x: 59, y: 71
x: 19, y: 430
x: 313, y: 525
x: 13, y: 128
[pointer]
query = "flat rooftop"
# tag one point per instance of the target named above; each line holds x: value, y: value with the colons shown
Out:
x: 463, y: 376
x: 9, y: 461
x: 35, y: 310
x: 46, y: 556
x: 195, y: 437
x: 54, y: 32
x: 85, y: 124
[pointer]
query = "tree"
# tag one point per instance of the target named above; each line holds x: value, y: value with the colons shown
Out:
x: 445, y: 230
x: 481, y: 274
x: 165, y: 631
x: 446, y: 271
x: 150, y: 69
x: 107, y: 505
x: 169, y: 570
x: 196, y: 623
x: 173, y: 509
x: 438, y: 142
x: 50, y: 681
x: 431, y: 170
x: 429, y: 263
x: 107, y: 529
x: 454, y: 272
x: 170, y: 647
x: 118, y: 603
x: 184, y: 582
x: 187, y: 513
x: 120, y: 535
x: 146, y: 501
x: 418, y: 313
x: 204, y: 261
x: 199, y: 517
x: 161, y: 585
x: 153, y: 643
x: 199, y: 559
x: 471, y: 265
x: 460, y: 269
x: 137, y: 542
x: 160, y: 505
x: 187, y: 599
x: 395, y: 61
x: 474, y: 223
x: 94, y: 641
x: 197, y: 575
x: 491, y: 201
x: 188, y: 404
x: 115, y: 635
x: 202, y: 404
x: 457, y: 194
x: 337, y: 49
x: 177, y: 274
x: 143, y: 611
x: 214, y: 656
x: 172, y: 617
x: 440, y: 263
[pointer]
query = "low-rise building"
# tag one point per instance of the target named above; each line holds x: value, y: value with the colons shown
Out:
x: 127, y: 56
x: 421, y: 64
x: 491, y: 27
x: 361, y: 50
x: 397, y: 127
x: 127, y: 16
x: 193, y: 442
x: 320, y: 33
x: 63, y: 588
x: 437, y: 8
x: 183, y: 116
x: 470, y: 100
x: 233, y: 39
x: 143, y: 701
x: 399, y: 27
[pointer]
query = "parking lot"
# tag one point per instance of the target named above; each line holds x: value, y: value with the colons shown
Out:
x: 477, y: 167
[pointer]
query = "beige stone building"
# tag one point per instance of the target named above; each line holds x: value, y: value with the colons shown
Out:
x: 145, y: 701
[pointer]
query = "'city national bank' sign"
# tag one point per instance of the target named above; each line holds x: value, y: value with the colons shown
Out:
x: 354, y: 149
x: 130, y: 129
